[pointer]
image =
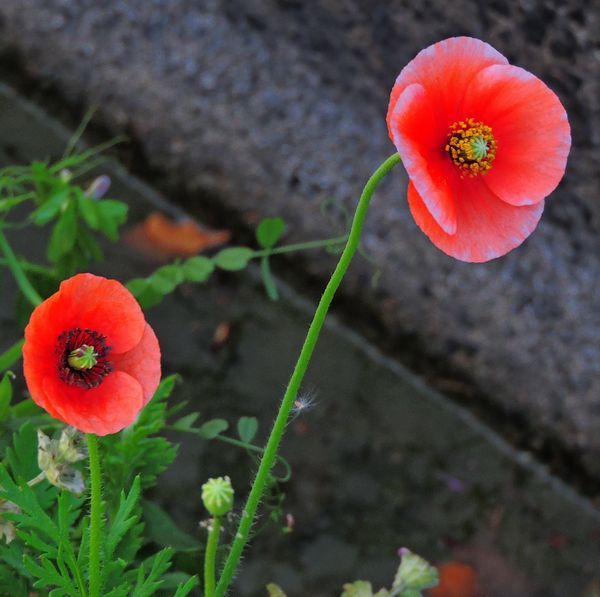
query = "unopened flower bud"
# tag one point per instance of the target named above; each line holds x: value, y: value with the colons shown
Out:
x: 71, y: 445
x: 99, y: 187
x: 55, y: 461
x: 217, y: 495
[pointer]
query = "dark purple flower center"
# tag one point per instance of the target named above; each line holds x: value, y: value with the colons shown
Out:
x: 82, y: 358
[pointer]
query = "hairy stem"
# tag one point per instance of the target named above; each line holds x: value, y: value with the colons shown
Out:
x: 17, y: 271
x: 95, y: 515
x: 210, y: 556
x: 270, y: 453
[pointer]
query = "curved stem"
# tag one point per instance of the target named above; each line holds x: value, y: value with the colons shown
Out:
x: 210, y: 557
x: 240, y: 444
x: 311, y: 244
x: 95, y: 515
x: 241, y: 537
x: 24, y: 284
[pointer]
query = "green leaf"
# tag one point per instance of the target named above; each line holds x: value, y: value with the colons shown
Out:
x: 268, y: 281
x: 166, y: 387
x: 27, y: 408
x: 32, y: 517
x: 161, y: 529
x: 11, y: 585
x: 165, y: 279
x: 139, y: 450
x: 198, y: 269
x: 6, y: 392
x: 269, y: 231
x: 233, y: 258
x: 8, y: 204
x: 11, y: 355
x: 22, y: 456
x: 146, y: 295
x: 89, y: 246
x: 49, y: 209
x: 49, y: 576
x: 159, y: 564
x: 111, y: 214
x: 88, y: 208
x: 185, y: 588
x: 247, y: 428
x: 186, y: 423
x: 212, y: 428
x: 125, y: 518
x: 64, y: 234
x: 12, y: 554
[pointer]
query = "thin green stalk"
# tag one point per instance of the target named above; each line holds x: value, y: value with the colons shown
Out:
x: 270, y: 454
x: 240, y: 444
x: 31, y: 267
x: 13, y: 264
x: 312, y: 244
x: 210, y: 557
x: 95, y: 515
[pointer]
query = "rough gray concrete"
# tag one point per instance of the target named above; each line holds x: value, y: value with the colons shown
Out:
x: 274, y: 106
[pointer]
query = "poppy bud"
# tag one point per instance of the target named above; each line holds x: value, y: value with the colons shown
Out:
x: 217, y: 495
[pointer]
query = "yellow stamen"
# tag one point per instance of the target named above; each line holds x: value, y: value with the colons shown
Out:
x: 471, y: 147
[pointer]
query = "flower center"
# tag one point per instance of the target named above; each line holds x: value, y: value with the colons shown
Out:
x: 82, y: 358
x: 471, y: 147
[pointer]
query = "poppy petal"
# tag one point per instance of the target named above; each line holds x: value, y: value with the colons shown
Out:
x: 531, y: 129
x: 418, y: 141
x: 445, y: 69
x: 108, y: 408
x: 487, y: 227
x: 39, y: 358
x: 103, y: 305
x: 142, y: 363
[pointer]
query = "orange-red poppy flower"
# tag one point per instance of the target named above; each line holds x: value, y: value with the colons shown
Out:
x: 90, y: 359
x: 483, y: 142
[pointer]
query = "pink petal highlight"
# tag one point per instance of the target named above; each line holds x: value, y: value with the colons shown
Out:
x: 487, y: 227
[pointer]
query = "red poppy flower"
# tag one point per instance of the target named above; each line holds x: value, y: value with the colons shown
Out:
x: 90, y: 359
x: 483, y: 142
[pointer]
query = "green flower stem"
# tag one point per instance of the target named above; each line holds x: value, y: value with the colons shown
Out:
x: 31, y: 267
x: 210, y: 556
x: 270, y: 454
x: 312, y: 244
x: 17, y: 271
x: 95, y: 515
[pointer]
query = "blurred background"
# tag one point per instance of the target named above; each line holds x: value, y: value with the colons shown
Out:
x: 240, y: 109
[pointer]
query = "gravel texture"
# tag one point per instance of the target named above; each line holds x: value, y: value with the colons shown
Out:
x: 274, y: 106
